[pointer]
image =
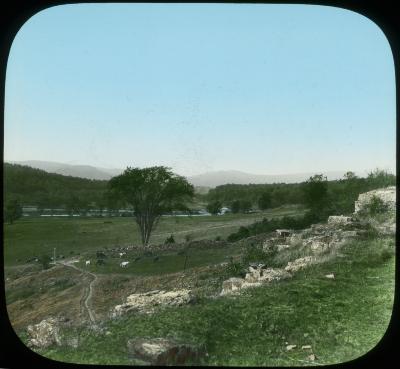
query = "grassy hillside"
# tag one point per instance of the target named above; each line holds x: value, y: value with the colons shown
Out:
x: 341, y: 319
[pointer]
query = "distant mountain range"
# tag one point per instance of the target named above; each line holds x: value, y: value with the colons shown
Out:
x: 206, y: 180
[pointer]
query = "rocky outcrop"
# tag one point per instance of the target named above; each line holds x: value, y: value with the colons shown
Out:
x: 301, y: 263
x: 161, y: 351
x: 44, y: 334
x: 149, y: 301
x: 254, y: 278
x: 316, y: 240
x: 273, y: 274
x: 51, y: 331
x: 387, y: 195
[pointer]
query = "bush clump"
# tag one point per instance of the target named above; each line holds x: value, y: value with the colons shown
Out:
x: 170, y: 240
x: 270, y: 225
x: 44, y: 260
x: 375, y: 206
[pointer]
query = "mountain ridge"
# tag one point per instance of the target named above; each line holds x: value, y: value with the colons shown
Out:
x: 208, y: 179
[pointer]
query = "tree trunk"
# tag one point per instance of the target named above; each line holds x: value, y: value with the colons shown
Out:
x: 146, y: 225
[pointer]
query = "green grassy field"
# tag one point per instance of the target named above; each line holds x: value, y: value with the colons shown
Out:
x: 168, y: 262
x: 27, y: 238
x: 341, y: 319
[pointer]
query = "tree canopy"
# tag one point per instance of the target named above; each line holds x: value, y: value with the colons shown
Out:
x: 151, y: 192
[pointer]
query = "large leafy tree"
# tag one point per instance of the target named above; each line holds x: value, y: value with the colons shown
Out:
x: 151, y: 192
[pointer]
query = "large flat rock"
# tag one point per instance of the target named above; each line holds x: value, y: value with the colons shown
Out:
x: 162, y: 351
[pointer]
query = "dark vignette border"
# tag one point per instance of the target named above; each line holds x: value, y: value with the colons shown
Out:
x: 14, y: 13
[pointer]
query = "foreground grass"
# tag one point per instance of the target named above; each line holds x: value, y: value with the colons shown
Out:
x: 341, y: 319
x: 33, y: 237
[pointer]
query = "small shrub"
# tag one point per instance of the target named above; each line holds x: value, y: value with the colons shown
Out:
x: 254, y: 254
x: 188, y: 237
x: 44, y: 260
x: 386, y: 254
x: 243, y: 232
x: 266, y: 225
x: 235, y: 269
x: 169, y: 240
x: 63, y: 283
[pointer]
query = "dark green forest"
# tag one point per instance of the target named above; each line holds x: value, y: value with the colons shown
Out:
x: 35, y: 187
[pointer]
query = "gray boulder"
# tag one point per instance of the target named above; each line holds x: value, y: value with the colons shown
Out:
x: 149, y: 301
x: 294, y: 266
x: 50, y: 332
x: 232, y: 285
x: 339, y: 220
x: 44, y: 334
x: 274, y: 274
x: 387, y: 195
x: 161, y: 351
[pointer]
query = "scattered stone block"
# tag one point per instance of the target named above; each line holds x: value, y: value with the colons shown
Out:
x: 231, y: 285
x: 349, y: 234
x: 296, y: 239
x: 311, y: 357
x: 250, y: 285
x: 147, y: 302
x: 339, y: 220
x: 161, y: 351
x: 282, y: 247
x: 283, y: 232
x: 274, y: 274
x: 294, y: 266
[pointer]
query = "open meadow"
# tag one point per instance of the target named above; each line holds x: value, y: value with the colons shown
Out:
x: 33, y: 237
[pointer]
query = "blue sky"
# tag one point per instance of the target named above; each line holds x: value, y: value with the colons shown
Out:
x: 267, y: 89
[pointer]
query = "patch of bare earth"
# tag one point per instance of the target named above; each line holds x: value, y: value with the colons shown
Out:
x: 52, y: 292
x: 112, y: 289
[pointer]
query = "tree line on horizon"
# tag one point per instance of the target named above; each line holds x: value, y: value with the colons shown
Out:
x: 339, y: 195
x: 27, y: 186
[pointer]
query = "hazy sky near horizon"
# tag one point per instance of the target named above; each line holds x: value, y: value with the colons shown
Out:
x: 265, y: 89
